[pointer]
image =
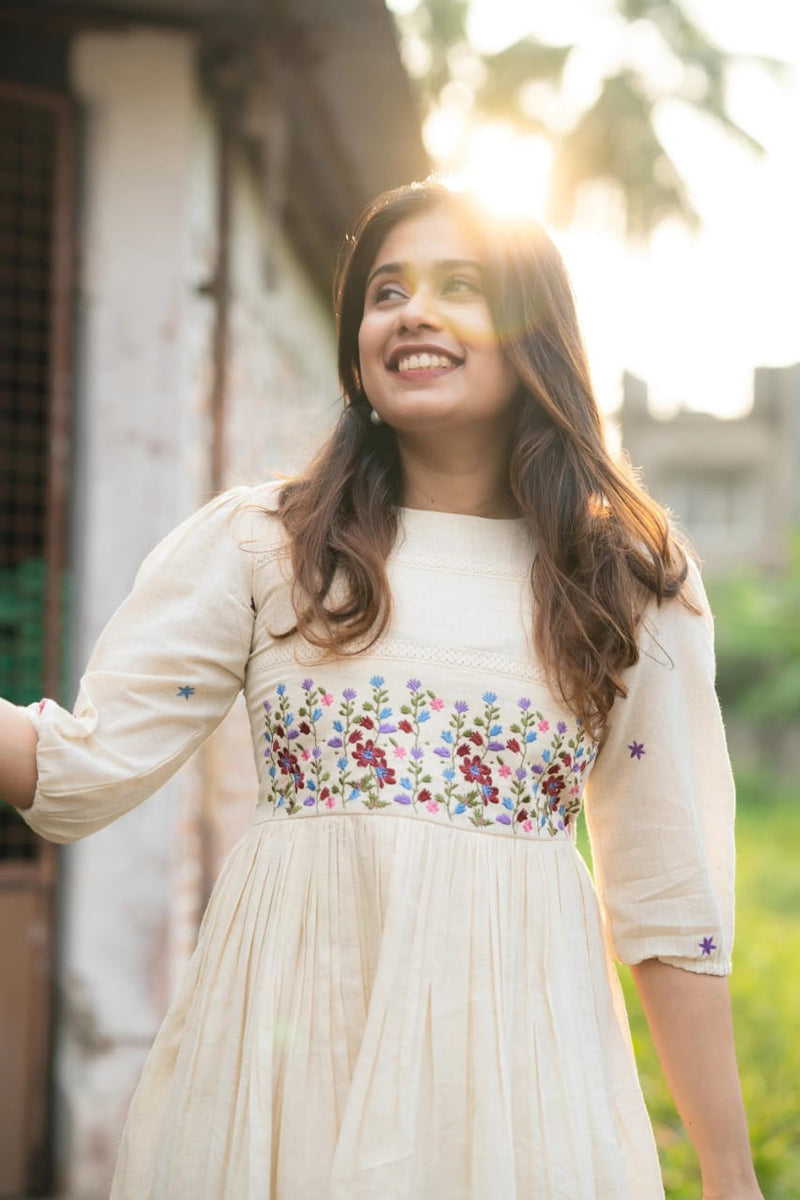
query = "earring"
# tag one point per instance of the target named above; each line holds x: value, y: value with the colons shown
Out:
x: 375, y: 417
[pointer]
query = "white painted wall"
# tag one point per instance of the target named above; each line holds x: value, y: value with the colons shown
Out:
x: 128, y: 899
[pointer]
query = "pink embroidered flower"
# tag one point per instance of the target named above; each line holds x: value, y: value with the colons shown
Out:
x: 437, y: 703
x: 575, y: 790
x: 505, y: 771
x: 329, y: 801
x: 306, y: 753
x: 528, y: 825
x: 399, y: 751
x: 543, y: 725
x: 327, y: 698
x: 432, y: 806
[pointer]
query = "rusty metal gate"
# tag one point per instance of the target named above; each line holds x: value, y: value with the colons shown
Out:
x: 36, y: 284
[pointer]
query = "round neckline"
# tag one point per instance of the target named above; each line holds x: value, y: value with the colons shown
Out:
x: 435, y: 512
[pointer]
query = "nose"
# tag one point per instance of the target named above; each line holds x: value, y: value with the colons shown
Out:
x: 419, y: 310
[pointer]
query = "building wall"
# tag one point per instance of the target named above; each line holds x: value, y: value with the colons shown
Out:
x: 131, y: 895
x: 732, y: 484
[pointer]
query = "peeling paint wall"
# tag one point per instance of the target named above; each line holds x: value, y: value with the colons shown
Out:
x: 131, y: 895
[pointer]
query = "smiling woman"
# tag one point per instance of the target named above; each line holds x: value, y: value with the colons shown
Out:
x: 453, y: 628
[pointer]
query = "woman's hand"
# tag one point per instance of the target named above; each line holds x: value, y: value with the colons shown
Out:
x: 18, y: 740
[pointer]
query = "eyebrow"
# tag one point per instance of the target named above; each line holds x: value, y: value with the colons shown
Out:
x: 442, y: 264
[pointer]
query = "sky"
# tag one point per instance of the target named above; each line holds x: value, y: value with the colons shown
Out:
x: 690, y: 313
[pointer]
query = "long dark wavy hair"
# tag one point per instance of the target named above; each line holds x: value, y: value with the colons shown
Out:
x: 603, y: 547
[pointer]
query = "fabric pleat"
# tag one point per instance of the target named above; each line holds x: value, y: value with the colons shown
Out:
x: 399, y: 1010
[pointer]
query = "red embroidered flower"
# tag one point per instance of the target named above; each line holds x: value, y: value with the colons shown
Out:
x: 553, y: 785
x: 367, y: 722
x: 476, y: 738
x: 305, y: 727
x: 369, y: 755
x: 289, y: 766
x: 406, y: 726
x: 476, y: 772
x: 513, y: 745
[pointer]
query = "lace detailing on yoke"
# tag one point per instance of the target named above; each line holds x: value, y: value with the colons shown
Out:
x: 392, y: 648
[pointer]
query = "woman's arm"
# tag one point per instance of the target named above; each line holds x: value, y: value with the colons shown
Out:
x: 17, y: 756
x: 689, y: 1015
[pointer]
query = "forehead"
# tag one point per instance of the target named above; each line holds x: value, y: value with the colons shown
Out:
x: 430, y: 236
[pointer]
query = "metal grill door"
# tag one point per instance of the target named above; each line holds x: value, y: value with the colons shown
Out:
x: 36, y: 286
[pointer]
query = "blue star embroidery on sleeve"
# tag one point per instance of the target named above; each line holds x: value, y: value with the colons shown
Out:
x: 636, y: 749
x: 707, y: 945
x: 186, y: 691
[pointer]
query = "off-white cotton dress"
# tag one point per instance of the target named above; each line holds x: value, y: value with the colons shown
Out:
x: 404, y: 986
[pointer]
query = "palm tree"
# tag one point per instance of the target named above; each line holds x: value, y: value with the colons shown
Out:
x: 614, y: 139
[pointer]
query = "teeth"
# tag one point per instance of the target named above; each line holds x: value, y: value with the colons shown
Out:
x: 423, y: 362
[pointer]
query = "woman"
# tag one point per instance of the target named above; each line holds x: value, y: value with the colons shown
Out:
x: 458, y: 620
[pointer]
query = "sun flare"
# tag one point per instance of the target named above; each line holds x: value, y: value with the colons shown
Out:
x: 507, y: 170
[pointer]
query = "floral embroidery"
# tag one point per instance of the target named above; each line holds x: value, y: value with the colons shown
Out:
x: 636, y: 749
x: 186, y: 691
x: 707, y: 945
x: 429, y: 756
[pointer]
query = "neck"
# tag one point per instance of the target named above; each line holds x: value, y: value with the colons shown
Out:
x: 465, y: 478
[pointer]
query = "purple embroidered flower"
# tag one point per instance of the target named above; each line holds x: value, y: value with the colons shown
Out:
x: 349, y: 693
x: 309, y: 800
x: 413, y: 685
x: 707, y: 945
x: 442, y: 752
x: 537, y: 768
x: 520, y: 772
x: 636, y: 749
x: 503, y: 819
x: 315, y: 753
x: 562, y: 726
x: 461, y: 706
x: 335, y: 743
x: 307, y: 685
x: 523, y: 703
x: 267, y: 706
x: 417, y: 752
x: 402, y: 798
x: 496, y: 746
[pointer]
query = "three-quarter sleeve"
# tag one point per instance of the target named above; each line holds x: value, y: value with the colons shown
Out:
x: 660, y: 800
x: 163, y: 674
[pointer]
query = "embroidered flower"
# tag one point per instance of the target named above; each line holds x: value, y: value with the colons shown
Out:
x: 707, y: 945
x: 636, y: 749
x: 450, y: 758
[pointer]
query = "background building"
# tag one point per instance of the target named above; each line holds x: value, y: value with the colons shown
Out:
x: 174, y: 179
x: 733, y: 484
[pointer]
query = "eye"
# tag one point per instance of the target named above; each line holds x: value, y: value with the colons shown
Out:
x: 460, y: 283
x: 388, y: 291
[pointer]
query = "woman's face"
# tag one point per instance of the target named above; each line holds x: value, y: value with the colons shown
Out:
x: 429, y: 354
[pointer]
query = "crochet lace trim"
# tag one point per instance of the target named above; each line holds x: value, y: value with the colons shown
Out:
x: 393, y: 648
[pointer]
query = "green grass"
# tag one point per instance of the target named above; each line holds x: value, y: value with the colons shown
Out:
x: 765, y: 989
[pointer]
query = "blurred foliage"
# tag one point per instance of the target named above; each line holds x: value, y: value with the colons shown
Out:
x: 615, y: 138
x: 757, y: 626
x: 764, y: 988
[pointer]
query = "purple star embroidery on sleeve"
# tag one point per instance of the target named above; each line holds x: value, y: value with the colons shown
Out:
x: 186, y: 691
x: 636, y: 749
x: 707, y: 945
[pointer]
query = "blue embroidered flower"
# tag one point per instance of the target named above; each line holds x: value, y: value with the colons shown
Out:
x: 377, y: 681
x: 490, y: 697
